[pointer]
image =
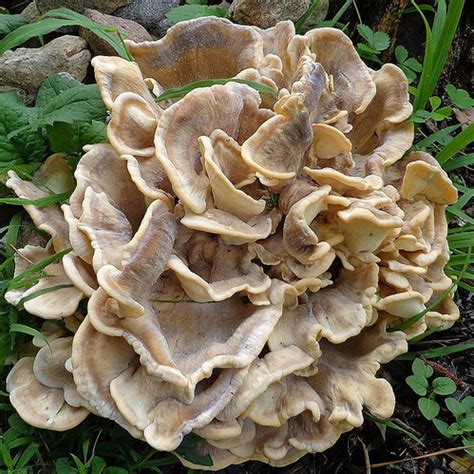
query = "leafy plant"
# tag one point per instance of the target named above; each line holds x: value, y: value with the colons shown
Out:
x: 375, y: 43
x: 459, y: 97
x: 430, y: 408
x: 67, y: 115
x: 195, y: 9
x: 8, y: 23
x: 55, y: 19
x: 410, y: 66
x: 437, y: 113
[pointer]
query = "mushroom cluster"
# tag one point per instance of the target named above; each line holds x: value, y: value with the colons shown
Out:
x: 244, y: 255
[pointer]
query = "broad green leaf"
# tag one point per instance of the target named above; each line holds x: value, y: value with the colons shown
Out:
x: 52, y: 86
x: 62, y: 466
x: 454, y: 429
x: 177, y: 92
x: 421, y: 369
x: 443, y: 386
x: 442, y: 427
x: 459, y: 97
x: 97, y: 465
x: 71, y: 137
x: 468, y: 442
x: 366, y: 32
x: 455, y: 406
x: 187, y: 449
x: 381, y: 41
x: 115, y: 470
x: 18, y: 142
x: 9, y: 23
x: 468, y: 404
x: 435, y: 102
x: 418, y: 384
x: 467, y: 424
x: 401, y: 54
x: 428, y: 408
x: 188, y: 12
x: 78, y: 104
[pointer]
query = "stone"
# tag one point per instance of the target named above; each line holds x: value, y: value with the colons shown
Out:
x: 27, y: 68
x: 150, y: 14
x: 105, y: 6
x: 267, y: 13
x: 129, y: 29
x: 31, y: 12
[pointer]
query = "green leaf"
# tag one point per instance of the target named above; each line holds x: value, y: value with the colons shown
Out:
x: 443, y: 386
x: 71, y: 137
x: 418, y: 384
x: 381, y: 41
x: 468, y: 404
x: 468, y: 442
x: 62, y: 466
x: 428, y: 408
x: 176, y: 92
x: 9, y: 23
x: 467, y: 424
x: 442, y: 427
x: 459, y: 162
x: 40, y: 202
x: 54, y: 19
x: 455, y: 406
x: 23, y: 329
x: 26, y: 456
x: 401, y: 54
x: 44, y: 291
x: 77, y: 104
x: 421, y: 369
x: 52, y: 86
x: 435, y: 102
x: 188, y: 12
x: 461, y: 140
x: 413, y: 64
x: 97, y: 465
x: 187, y: 449
x: 459, y: 97
x: 366, y: 32
x: 18, y: 142
x: 454, y: 429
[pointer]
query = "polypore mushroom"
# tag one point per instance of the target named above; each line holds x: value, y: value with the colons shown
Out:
x: 243, y: 254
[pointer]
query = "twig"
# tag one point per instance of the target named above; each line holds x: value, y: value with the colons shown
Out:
x: 421, y: 462
x: 441, y: 370
x: 18, y: 252
x: 366, y: 457
x: 429, y: 455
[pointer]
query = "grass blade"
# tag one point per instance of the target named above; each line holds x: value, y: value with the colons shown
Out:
x: 41, y: 202
x: 438, y: 352
x: 177, y: 92
x: 305, y: 17
x: 459, y: 162
x: 460, y: 141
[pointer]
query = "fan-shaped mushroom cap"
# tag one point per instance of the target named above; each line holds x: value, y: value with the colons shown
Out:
x: 38, y: 404
x: 346, y: 383
x: 389, y: 107
x: 49, y: 368
x: 431, y: 181
x: 353, y: 84
x: 57, y: 296
x: 403, y: 305
x: 300, y: 241
x: 342, y: 184
x: 346, y: 307
x: 225, y: 194
x: 143, y: 260
x: 49, y: 218
x: 132, y: 128
x: 194, y: 50
x: 277, y: 149
x: 214, y: 272
x: 329, y: 142
x: 233, y: 108
x: 115, y: 76
x: 169, y: 337
x: 232, y: 229
x: 101, y: 169
x: 93, y: 372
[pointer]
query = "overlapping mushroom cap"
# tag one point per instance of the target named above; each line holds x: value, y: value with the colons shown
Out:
x: 244, y: 255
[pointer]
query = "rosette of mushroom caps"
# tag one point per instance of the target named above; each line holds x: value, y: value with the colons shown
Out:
x: 243, y: 255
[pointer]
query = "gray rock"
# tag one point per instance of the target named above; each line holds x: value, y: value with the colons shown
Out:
x: 149, y: 13
x: 266, y: 13
x: 27, y: 68
x: 130, y: 30
x: 31, y: 12
x: 319, y: 13
x: 105, y: 6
